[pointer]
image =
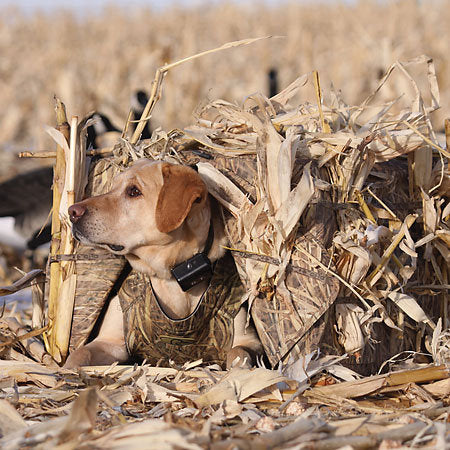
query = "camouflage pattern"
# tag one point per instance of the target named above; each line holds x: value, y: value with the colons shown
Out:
x: 205, y: 334
x: 286, y: 316
x: 95, y: 278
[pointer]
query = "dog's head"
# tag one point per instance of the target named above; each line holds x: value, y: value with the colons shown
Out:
x: 155, y: 211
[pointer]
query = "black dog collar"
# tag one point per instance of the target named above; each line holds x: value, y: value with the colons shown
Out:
x: 197, y: 268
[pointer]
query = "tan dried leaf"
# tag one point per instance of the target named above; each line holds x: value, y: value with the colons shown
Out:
x: 10, y: 419
x: 238, y: 385
x: 410, y: 307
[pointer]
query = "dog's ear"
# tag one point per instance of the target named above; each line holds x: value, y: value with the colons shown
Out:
x: 182, y: 186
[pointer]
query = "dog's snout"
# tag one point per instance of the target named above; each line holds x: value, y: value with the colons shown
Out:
x: 76, y: 211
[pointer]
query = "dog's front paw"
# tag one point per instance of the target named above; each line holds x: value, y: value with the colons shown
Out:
x: 78, y: 358
x: 240, y: 357
x: 97, y: 353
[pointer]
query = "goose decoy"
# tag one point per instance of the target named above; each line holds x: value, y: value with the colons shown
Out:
x: 138, y: 102
x: 28, y: 197
x: 272, y: 77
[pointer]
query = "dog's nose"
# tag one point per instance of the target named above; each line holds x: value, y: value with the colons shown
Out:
x: 76, y: 211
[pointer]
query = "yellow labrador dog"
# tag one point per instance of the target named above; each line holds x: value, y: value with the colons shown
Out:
x: 160, y: 217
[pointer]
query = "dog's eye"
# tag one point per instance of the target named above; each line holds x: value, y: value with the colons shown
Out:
x: 133, y: 191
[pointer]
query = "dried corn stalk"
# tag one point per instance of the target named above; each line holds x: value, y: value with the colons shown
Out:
x: 63, y: 280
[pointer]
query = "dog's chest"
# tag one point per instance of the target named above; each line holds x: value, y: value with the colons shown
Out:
x: 205, y: 334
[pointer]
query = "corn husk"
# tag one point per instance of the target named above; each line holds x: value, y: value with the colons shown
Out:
x: 63, y: 280
x: 277, y: 412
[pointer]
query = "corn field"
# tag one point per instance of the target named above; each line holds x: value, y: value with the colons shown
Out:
x: 96, y: 63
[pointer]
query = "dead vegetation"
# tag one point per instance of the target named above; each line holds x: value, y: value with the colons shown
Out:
x: 338, y: 220
x: 193, y: 408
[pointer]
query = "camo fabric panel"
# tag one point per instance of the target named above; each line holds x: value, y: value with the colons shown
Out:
x: 290, y: 317
x: 286, y: 316
x: 205, y: 334
x: 95, y: 278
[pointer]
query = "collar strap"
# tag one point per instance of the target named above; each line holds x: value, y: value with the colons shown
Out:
x: 209, y: 239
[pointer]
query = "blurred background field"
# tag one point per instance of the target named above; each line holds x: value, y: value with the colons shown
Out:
x: 94, y: 59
